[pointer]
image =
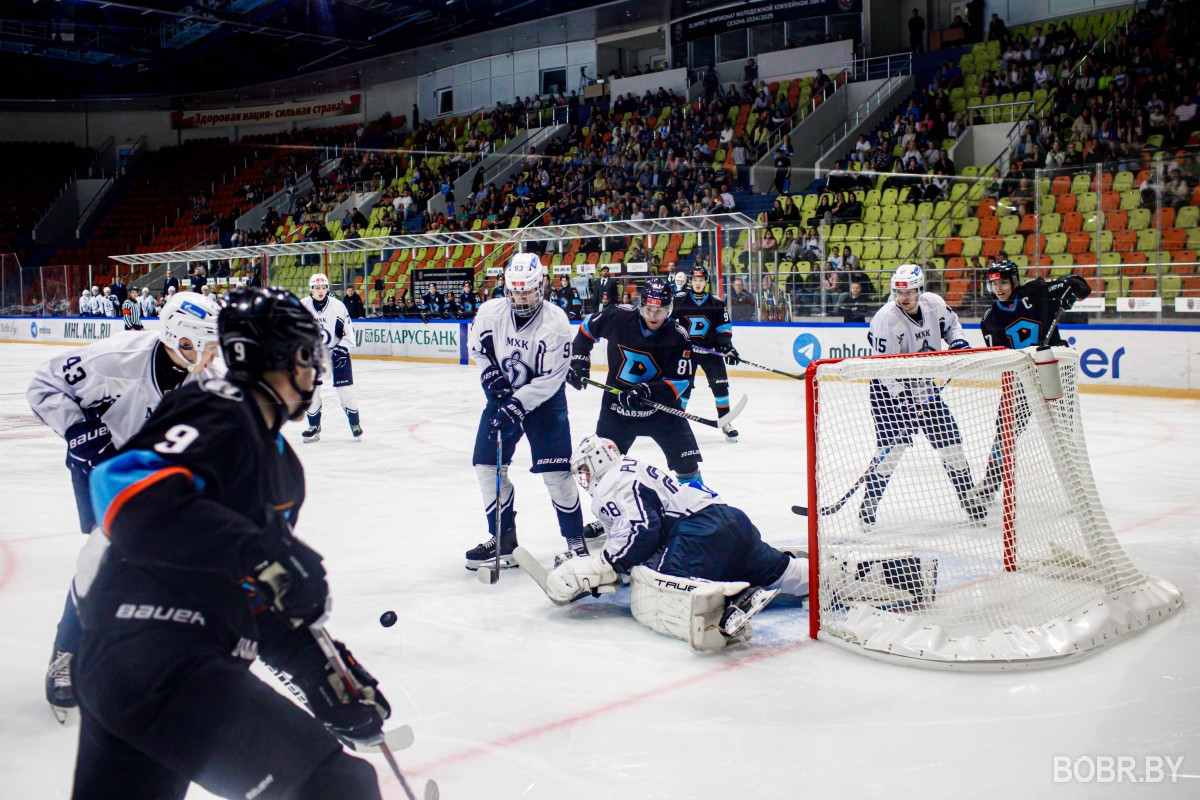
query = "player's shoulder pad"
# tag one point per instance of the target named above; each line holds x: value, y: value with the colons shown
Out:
x: 625, y: 307
x: 557, y: 317
x: 682, y: 333
x: 934, y: 300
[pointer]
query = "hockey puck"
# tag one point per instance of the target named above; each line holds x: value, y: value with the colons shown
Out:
x: 387, y: 619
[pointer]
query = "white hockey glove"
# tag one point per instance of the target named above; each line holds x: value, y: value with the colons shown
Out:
x: 580, y: 575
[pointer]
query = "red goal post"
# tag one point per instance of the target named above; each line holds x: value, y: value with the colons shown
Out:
x: 984, y: 544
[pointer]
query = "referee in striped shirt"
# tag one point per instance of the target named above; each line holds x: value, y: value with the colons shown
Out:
x: 132, y: 314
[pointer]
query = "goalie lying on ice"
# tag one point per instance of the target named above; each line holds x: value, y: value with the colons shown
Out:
x: 699, y: 567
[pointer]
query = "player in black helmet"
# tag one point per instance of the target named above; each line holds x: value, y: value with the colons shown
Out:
x: 204, y: 574
x: 1021, y: 317
x: 1022, y: 314
x: 705, y: 319
x: 649, y: 356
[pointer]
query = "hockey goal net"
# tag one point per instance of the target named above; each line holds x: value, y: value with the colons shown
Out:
x: 953, y: 517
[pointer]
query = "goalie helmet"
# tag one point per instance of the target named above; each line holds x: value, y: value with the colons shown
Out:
x: 908, y: 276
x: 592, y: 459
x: 191, y: 316
x: 523, y: 284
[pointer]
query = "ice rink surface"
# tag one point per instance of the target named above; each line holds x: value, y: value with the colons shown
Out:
x: 512, y: 697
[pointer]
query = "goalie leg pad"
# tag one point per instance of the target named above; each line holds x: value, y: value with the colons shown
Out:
x: 684, y: 608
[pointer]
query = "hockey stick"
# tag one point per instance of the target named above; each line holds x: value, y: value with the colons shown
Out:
x: 836, y: 506
x: 707, y: 351
x: 534, y: 569
x: 354, y: 688
x: 491, y: 574
x: 724, y: 419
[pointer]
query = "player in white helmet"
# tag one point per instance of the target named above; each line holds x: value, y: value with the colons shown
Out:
x: 338, y: 332
x: 523, y: 348
x: 690, y: 555
x: 914, y: 321
x: 97, y: 397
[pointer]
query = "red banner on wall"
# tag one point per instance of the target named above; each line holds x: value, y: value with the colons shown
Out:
x: 263, y: 115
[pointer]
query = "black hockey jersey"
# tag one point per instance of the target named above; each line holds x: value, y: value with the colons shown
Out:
x: 636, y: 354
x: 433, y: 303
x: 705, y: 319
x: 568, y: 300
x: 1025, y: 318
x: 191, y: 504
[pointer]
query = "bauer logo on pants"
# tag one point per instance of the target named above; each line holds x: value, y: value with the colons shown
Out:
x: 806, y: 349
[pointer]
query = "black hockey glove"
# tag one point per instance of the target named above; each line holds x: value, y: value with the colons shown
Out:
x: 508, y: 418
x: 731, y: 354
x: 1069, y: 296
x: 632, y: 397
x: 88, y: 443
x: 339, y: 329
x: 357, y: 717
x: 291, y: 579
x: 495, y: 384
x: 581, y: 367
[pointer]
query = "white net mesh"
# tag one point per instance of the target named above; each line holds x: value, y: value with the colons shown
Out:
x: 974, y: 533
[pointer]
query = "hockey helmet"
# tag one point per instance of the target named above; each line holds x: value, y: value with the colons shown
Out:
x: 265, y: 330
x: 656, y: 301
x: 908, y: 276
x: 318, y: 283
x: 523, y: 284
x: 701, y: 273
x: 593, y: 457
x: 1004, y: 271
x: 191, y: 316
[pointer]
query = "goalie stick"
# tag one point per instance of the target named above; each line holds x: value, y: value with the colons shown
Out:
x: 705, y: 350
x: 354, y: 688
x: 534, y: 569
x: 721, y: 421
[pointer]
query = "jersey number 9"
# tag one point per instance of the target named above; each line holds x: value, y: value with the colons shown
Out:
x: 177, y: 439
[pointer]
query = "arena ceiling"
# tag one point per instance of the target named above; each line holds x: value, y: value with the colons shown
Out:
x: 68, y: 49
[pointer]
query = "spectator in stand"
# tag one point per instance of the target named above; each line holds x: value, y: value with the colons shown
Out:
x: 171, y: 282
x: 997, y: 30
x: 783, y: 172
x: 741, y: 302
x: 851, y: 304
x: 916, y: 32
x: 862, y: 150
x: 750, y: 74
x: 1185, y: 115
x: 198, y: 278
x: 354, y: 303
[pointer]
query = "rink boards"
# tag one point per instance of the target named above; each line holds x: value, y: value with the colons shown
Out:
x: 1143, y: 359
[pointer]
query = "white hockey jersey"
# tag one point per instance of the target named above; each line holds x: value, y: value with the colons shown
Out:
x: 329, y: 316
x: 637, y: 502
x: 113, y: 379
x: 893, y: 332
x: 534, y: 358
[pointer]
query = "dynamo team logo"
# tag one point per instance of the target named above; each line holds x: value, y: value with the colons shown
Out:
x: 806, y: 349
